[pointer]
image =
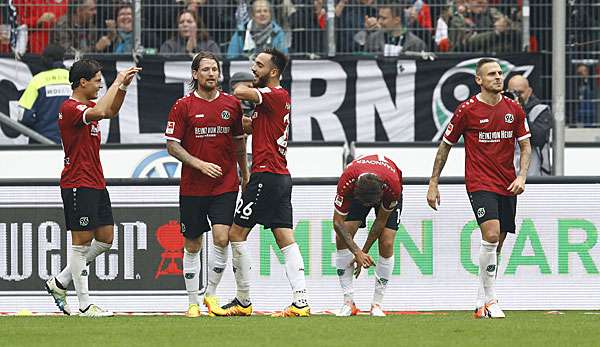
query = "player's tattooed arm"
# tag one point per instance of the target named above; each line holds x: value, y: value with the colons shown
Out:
x: 377, y: 228
x: 342, y: 233
x: 525, y: 147
x: 518, y: 185
x: 433, y: 194
x: 240, y: 154
x: 176, y: 150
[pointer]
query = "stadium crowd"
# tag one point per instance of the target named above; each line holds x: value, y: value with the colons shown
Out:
x: 240, y: 28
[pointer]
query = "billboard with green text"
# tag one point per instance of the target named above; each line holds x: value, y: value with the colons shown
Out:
x: 552, y: 262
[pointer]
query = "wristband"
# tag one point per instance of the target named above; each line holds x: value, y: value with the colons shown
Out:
x: 123, y: 87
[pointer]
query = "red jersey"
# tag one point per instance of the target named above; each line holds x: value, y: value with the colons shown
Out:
x: 382, y: 167
x: 270, y: 124
x: 206, y: 130
x: 81, y: 143
x: 489, y: 133
x: 30, y: 11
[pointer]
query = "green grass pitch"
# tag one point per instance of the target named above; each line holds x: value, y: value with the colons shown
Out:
x: 532, y: 328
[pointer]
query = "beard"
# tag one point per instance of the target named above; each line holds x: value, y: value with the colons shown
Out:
x: 261, y: 82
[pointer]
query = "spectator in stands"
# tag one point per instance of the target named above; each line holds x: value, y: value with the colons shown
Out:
x: 350, y: 18
x: 218, y: 16
x: 482, y: 28
x: 388, y: 35
x: 45, y: 94
x: 585, y: 113
x: 40, y: 16
x: 540, y: 120
x: 191, y: 37
x: 442, y: 40
x: 309, y: 24
x: 259, y: 33
x: 160, y: 17
x: 75, y: 30
x: 4, y: 38
x: 419, y: 21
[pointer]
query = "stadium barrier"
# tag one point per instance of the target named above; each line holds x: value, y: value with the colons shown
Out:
x: 552, y: 262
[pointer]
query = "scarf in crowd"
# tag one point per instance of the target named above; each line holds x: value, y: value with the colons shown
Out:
x: 257, y: 38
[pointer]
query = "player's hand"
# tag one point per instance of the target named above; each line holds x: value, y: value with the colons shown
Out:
x: 433, y: 196
x: 209, y: 169
x: 371, y: 23
x: 517, y: 186
x: 126, y: 76
x: 362, y: 260
x: 245, y: 182
x: 46, y: 17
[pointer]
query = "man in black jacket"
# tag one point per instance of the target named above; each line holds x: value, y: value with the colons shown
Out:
x: 539, y: 117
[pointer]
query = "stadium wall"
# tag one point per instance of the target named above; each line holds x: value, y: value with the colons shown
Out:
x: 552, y: 262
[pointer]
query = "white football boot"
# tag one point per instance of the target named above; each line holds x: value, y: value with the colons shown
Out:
x: 494, y: 310
x: 376, y: 311
x: 349, y: 309
x: 94, y: 311
x: 59, y: 295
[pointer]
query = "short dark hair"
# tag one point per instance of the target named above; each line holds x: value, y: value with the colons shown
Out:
x: 369, y: 189
x: 397, y: 10
x: 278, y: 58
x: 53, y: 56
x: 196, y: 64
x: 84, y: 68
x: 482, y: 62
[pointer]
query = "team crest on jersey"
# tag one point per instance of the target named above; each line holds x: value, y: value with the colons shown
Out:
x: 84, y: 221
x: 60, y: 116
x: 288, y: 106
x: 509, y: 118
x: 225, y: 114
x: 170, y: 128
x: 254, y: 115
x: 449, y: 129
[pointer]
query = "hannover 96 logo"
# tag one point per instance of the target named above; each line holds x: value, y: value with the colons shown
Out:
x: 457, y: 85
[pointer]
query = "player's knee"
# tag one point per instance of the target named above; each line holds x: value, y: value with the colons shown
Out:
x: 386, y: 248
x: 193, y: 246
x: 221, y: 239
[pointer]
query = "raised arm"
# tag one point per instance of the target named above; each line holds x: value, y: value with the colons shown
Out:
x: 108, y: 106
x: 243, y: 92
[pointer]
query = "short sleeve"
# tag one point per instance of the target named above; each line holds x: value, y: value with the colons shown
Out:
x: 455, y: 127
x: 267, y: 97
x: 522, y: 127
x: 345, y: 188
x: 74, y: 114
x: 176, y: 124
x: 237, y: 129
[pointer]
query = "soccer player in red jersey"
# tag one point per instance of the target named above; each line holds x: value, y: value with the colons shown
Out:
x: 490, y: 124
x: 371, y: 181
x: 267, y: 199
x: 204, y: 131
x: 88, y: 212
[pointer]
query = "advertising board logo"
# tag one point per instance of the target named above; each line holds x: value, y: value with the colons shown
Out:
x: 158, y: 165
x: 169, y: 237
x: 457, y: 85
